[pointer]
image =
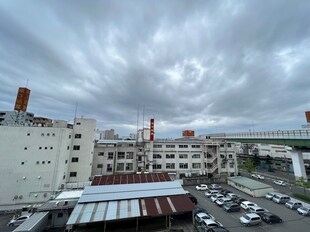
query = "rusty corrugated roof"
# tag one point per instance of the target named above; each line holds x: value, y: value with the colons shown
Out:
x: 130, y: 178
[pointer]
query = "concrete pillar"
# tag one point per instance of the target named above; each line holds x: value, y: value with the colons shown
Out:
x: 298, y: 164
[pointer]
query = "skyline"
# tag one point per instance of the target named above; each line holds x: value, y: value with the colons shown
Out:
x: 207, y: 66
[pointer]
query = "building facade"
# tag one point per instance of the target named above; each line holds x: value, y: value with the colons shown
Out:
x: 37, y: 161
x: 184, y: 157
x: 14, y: 117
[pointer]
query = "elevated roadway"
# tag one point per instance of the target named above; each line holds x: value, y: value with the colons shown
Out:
x: 299, y: 140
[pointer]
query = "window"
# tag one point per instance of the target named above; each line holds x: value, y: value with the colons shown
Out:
x: 230, y: 156
x: 110, y: 155
x: 170, y: 165
x: 156, y: 156
x: 48, y: 134
x: 129, y: 155
x: 196, y: 165
x: 170, y: 156
x: 158, y: 146
x: 49, y: 162
x: 183, y: 156
x: 25, y: 148
x: 40, y: 148
x: 222, y: 156
x: 78, y: 136
x: 100, y: 153
x: 183, y: 165
x: 53, y: 134
x: 22, y: 163
x: 68, y: 147
x: 223, y: 165
x: 66, y: 161
x: 228, y: 144
x: 51, y: 148
x: 78, y: 123
x: 170, y: 146
x: 45, y: 148
x: 120, y: 167
x: 156, y: 166
x: 183, y: 146
x: 69, y: 136
x: 43, y: 162
x: 195, y: 146
x: 129, y: 167
x: 130, y: 145
x: 196, y: 156
x: 121, y: 155
x: 109, y: 168
x: 60, y: 215
x: 75, y: 159
x: 28, y: 134
x: 231, y: 165
x: 222, y: 145
x: 76, y: 147
x: 99, y: 165
x: 38, y: 162
x: 73, y: 174
x: 42, y: 134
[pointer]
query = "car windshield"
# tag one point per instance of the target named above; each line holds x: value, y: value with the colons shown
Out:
x: 246, y: 217
x: 304, y: 208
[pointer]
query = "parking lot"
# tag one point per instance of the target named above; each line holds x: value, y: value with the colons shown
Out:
x: 292, y: 221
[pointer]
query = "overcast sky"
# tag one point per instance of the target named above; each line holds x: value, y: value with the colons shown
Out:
x: 209, y: 66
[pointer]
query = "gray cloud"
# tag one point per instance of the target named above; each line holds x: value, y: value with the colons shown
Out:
x: 210, y: 66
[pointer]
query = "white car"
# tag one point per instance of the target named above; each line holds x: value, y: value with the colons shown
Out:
x: 209, y: 223
x: 203, y: 216
x: 216, y: 197
x: 18, y: 221
x: 246, y: 204
x: 260, y: 177
x: 202, y: 187
x: 215, y: 187
x: 279, y: 182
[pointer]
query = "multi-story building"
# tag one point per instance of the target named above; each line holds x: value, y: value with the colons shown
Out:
x: 38, y: 161
x: 14, y: 117
x: 186, y: 156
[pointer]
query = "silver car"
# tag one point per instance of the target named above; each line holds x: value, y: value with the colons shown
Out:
x: 250, y: 219
x: 293, y: 205
x: 18, y: 221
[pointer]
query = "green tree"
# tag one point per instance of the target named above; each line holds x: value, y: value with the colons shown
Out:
x: 256, y: 160
x: 303, y: 183
x: 248, y: 165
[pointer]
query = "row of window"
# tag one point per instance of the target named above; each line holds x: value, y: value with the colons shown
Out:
x: 173, y: 146
x: 230, y: 156
x: 223, y: 165
x: 172, y: 156
x: 38, y: 162
x: 40, y: 148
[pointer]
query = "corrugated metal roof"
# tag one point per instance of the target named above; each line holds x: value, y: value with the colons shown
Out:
x: 248, y: 183
x: 130, y: 178
x: 32, y: 221
x: 130, y: 191
x: 115, y: 210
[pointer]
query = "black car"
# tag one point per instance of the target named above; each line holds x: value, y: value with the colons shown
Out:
x: 192, y: 198
x: 217, y: 229
x: 225, y: 191
x: 270, y: 217
x: 231, y: 207
x: 239, y: 200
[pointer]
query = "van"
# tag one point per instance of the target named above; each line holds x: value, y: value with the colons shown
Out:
x: 280, y: 198
x: 293, y: 204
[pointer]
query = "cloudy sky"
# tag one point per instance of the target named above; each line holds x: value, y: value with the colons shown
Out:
x: 209, y: 66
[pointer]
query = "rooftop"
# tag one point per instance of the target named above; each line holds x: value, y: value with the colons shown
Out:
x: 248, y: 183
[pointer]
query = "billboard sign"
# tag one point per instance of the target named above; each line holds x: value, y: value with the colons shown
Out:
x: 152, y: 129
x: 22, y: 99
x: 308, y: 116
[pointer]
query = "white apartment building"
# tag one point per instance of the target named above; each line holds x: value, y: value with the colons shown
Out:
x: 14, y: 117
x: 37, y: 161
x: 183, y: 157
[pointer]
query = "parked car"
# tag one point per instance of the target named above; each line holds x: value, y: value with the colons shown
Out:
x: 246, y: 204
x: 19, y: 220
x: 256, y: 209
x: 239, y: 200
x: 270, y: 217
x: 270, y: 195
x: 202, y: 187
x: 216, y: 197
x: 209, y: 223
x: 200, y: 210
x: 305, y: 211
x: 280, y: 198
x: 218, y: 229
x: 222, y: 201
x: 260, y: 177
x: 203, y: 216
x: 215, y: 187
x: 279, y: 182
x: 225, y: 191
x: 293, y: 204
x: 209, y: 193
x: 231, y: 195
x: 231, y: 207
x: 254, y: 176
x: 250, y: 219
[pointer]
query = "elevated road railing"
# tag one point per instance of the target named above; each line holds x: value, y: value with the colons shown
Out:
x: 288, y: 134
